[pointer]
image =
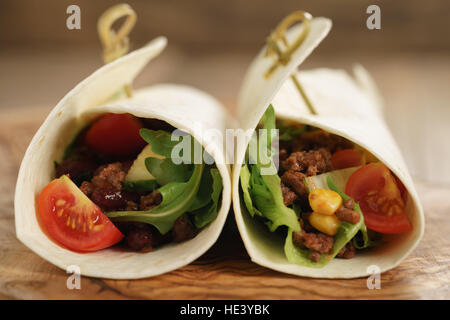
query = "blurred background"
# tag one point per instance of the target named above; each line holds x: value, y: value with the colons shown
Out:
x: 211, y: 43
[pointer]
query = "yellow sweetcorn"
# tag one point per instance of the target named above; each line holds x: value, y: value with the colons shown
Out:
x: 327, y: 224
x: 324, y: 201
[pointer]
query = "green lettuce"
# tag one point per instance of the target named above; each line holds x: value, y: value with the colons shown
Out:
x: 203, y: 215
x: 140, y: 185
x: 262, y: 192
x: 288, y: 132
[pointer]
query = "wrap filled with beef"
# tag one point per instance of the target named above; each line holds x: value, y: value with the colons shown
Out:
x: 320, y: 189
x: 125, y: 187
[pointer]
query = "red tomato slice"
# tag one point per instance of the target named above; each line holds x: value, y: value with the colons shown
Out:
x: 115, y: 135
x: 346, y: 158
x: 380, y: 199
x: 72, y: 219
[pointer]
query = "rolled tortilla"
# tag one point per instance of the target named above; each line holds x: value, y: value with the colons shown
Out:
x: 183, y: 107
x: 345, y: 107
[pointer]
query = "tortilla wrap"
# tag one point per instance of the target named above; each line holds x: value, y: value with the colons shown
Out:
x: 347, y: 107
x: 183, y: 107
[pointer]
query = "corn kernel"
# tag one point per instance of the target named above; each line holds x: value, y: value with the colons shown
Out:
x: 324, y: 223
x: 324, y: 201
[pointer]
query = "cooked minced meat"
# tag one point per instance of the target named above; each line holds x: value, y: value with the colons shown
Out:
x: 349, y: 203
x: 283, y: 154
x: 150, y: 201
x: 293, y: 181
x: 182, y: 229
x: 318, y: 242
x: 131, y: 206
x: 109, y: 199
x: 311, y: 162
x: 299, y: 165
x: 109, y: 176
x: 347, y: 215
x: 314, y: 256
x: 346, y: 212
x: 105, y: 188
x: 77, y: 169
x: 140, y: 236
x: 289, y: 196
x: 348, y: 251
x: 87, y: 188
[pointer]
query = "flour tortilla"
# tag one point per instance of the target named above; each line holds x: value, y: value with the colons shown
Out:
x: 183, y: 107
x: 347, y: 107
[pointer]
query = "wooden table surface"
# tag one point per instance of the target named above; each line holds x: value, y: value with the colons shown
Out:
x: 225, y: 271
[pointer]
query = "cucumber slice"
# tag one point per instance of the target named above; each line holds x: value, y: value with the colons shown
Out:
x: 138, y: 171
x: 339, y: 177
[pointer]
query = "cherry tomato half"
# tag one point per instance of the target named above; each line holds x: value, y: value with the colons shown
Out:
x: 115, y: 135
x: 380, y: 198
x: 346, y: 158
x: 72, y: 219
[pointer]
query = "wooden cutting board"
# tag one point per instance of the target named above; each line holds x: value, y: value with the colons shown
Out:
x: 225, y: 271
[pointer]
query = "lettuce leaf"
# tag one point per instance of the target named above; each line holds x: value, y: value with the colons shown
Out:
x: 262, y: 192
x: 205, y: 214
x: 165, y: 171
x: 289, y: 132
x: 245, y: 185
x: 160, y: 140
x: 266, y: 193
x: 140, y: 185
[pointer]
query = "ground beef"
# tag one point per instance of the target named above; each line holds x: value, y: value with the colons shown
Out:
x: 77, y: 169
x: 320, y: 139
x: 348, y: 251
x: 108, y: 199
x: 150, y: 201
x: 105, y: 188
x: 109, y: 176
x: 346, y: 212
x: 182, y: 229
x: 289, y: 196
x: 294, y: 180
x: 347, y: 215
x: 87, y: 188
x: 304, y: 222
x: 311, y: 162
x: 349, y: 204
x: 318, y: 242
x: 131, y: 206
x: 283, y: 154
x: 297, y: 239
x: 140, y: 236
x: 314, y: 256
